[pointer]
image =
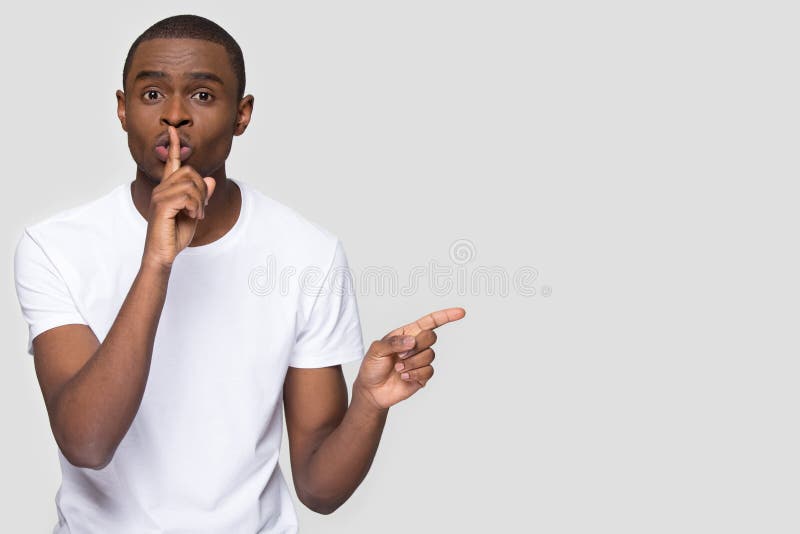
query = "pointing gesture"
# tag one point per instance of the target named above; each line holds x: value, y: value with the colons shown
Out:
x: 429, y: 322
x: 398, y: 365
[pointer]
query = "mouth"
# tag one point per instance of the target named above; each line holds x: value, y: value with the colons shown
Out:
x: 161, y: 148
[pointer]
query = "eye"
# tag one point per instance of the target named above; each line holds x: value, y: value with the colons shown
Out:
x: 152, y: 94
x: 203, y: 96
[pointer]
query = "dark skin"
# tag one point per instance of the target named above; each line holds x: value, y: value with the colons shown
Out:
x: 207, y: 116
x: 183, y: 92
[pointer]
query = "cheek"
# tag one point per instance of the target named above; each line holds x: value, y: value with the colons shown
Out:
x: 136, y: 130
x: 222, y: 137
x: 220, y: 148
x: 136, y: 143
x: 139, y: 145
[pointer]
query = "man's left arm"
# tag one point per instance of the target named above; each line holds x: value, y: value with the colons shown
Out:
x: 331, y: 445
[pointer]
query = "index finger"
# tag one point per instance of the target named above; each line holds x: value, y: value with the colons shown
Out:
x: 430, y: 321
x: 173, y: 162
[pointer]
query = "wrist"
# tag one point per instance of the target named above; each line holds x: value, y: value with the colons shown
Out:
x: 151, y: 266
x: 364, y: 401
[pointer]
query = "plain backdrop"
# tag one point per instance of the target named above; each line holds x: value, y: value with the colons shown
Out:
x: 640, y: 156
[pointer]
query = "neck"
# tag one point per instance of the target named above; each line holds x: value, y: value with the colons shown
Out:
x: 221, y: 213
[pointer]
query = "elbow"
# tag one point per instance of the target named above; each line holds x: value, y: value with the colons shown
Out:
x: 101, y: 463
x: 84, y: 454
x: 81, y: 442
x: 321, y: 507
x: 86, y: 461
x: 324, y: 506
x: 84, y: 458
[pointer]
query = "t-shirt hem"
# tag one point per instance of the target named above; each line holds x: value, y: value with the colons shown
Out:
x: 334, y: 358
x: 44, y: 326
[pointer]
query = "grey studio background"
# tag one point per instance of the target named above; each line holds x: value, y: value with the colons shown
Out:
x: 638, y: 160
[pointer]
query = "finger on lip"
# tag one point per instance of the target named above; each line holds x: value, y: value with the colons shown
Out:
x: 166, y: 139
x: 174, y: 144
x: 173, y: 156
x: 163, y: 154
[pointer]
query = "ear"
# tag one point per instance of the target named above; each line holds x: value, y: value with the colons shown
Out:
x: 243, y: 113
x: 121, y: 110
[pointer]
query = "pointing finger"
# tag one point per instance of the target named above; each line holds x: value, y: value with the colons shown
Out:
x: 173, y: 162
x: 430, y: 321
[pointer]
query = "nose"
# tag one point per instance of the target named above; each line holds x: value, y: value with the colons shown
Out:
x: 175, y: 113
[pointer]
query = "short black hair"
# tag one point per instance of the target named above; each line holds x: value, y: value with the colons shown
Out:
x: 191, y: 27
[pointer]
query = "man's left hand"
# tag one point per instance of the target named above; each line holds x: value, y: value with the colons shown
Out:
x: 393, y: 371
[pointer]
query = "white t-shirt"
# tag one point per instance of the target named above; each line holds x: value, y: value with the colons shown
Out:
x: 201, y: 455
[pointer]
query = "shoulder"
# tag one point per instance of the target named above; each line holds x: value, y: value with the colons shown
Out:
x: 291, y: 233
x: 78, y: 224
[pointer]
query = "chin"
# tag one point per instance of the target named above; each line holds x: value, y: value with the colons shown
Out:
x: 152, y: 174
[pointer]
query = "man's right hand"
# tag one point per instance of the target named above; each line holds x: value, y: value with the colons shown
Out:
x: 176, y: 206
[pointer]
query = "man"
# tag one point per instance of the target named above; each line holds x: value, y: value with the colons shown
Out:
x: 173, y: 422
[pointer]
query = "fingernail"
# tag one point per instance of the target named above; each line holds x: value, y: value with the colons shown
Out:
x: 408, y: 341
x: 400, y: 366
x: 404, y: 376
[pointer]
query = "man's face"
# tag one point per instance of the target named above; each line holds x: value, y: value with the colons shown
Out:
x: 189, y: 84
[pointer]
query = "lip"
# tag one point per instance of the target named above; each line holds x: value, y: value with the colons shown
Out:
x: 161, y: 147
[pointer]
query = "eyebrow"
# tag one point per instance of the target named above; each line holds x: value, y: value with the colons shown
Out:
x: 145, y: 74
x: 205, y: 76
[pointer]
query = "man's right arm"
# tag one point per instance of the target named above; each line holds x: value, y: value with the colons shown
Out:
x: 92, y: 391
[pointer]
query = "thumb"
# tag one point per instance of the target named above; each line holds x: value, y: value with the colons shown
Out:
x: 391, y: 345
x: 211, y: 184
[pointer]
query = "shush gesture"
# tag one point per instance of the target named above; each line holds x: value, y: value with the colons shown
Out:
x: 177, y: 203
x: 398, y: 365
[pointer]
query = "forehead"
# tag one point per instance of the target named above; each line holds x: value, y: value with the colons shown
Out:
x: 178, y: 56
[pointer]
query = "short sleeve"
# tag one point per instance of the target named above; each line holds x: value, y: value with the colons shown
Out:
x: 331, y: 334
x: 43, y: 295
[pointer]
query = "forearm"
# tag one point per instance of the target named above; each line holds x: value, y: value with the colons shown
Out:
x: 97, y: 406
x: 344, y: 458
